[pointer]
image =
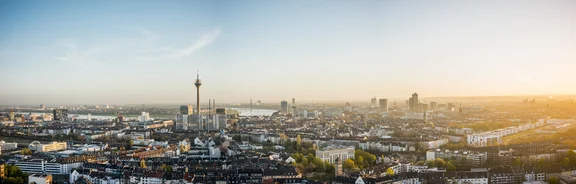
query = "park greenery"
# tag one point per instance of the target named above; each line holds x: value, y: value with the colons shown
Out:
x: 307, y: 162
x: 362, y: 159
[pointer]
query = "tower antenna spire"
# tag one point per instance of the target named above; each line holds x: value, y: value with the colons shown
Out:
x: 198, y: 83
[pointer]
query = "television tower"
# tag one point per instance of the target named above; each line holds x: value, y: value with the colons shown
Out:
x: 198, y: 83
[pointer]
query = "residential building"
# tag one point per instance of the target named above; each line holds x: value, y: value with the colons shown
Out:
x: 8, y: 146
x: 50, y: 147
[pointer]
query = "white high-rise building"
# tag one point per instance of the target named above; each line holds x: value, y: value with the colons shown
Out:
x: 89, y: 117
x: 144, y: 116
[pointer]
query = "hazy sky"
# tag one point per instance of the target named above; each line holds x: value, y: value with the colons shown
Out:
x: 75, y: 52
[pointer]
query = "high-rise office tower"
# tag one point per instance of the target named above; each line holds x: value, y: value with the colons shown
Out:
x: 423, y: 107
x: 294, y: 112
x: 384, y: 105
x: 411, y: 104
x: 89, y: 118
x: 415, y: 102
x: 42, y: 107
x: 373, y: 102
x: 433, y: 105
x: 284, y: 107
x: 186, y: 110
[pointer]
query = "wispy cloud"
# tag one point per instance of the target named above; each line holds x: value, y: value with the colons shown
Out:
x: 147, y: 34
x: 136, y: 50
x: 171, y: 53
x: 204, y: 41
x: 74, y: 55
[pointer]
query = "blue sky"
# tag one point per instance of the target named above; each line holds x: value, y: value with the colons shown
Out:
x: 76, y: 52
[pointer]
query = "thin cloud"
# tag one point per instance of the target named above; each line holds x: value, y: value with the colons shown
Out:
x: 77, y: 56
x: 204, y: 41
x: 148, y: 35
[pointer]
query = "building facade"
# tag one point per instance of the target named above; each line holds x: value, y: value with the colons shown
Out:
x: 333, y: 154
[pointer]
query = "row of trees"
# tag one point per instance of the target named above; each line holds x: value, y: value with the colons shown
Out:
x: 311, y: 163
x: 439, y: 162
x: 321, y: 170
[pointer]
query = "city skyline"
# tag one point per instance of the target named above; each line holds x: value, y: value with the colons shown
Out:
x: 79, y: 52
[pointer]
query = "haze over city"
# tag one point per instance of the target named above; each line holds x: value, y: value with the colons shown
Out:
x: 122, y: 52
x: 287, y: 92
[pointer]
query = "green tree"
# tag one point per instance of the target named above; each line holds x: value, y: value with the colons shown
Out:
x: 318, y: 163
x: 390, y: 171
x: 368, y: 158
x: 310, y: 157
x: 304, y: 162
x: 329, y: 168
x: 360, y: 162
x: 298, y: 142
x: 450, y: 166
x: 553, y: 180
x: 25, y: 151
x: 298, y: 157
x: 572, y: 156
x: 348, y: 164
x: 431, y: 164
x: 541, y: 162
x: 518, y: 162
x: 440, y: 162
x: 566, y: 161
x: 13, y: 175
x: 12, y: 180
